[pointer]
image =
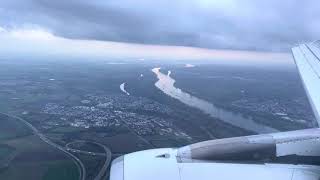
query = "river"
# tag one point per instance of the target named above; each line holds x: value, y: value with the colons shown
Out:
x: 122, y: 88
x: 166, y: 84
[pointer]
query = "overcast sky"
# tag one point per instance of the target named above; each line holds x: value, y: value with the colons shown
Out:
x: 264, y: 25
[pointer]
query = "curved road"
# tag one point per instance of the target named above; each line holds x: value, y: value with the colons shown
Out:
x: 80, y: 166
x: 107, y: 154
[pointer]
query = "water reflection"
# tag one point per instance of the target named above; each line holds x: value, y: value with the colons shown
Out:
x: 166, y: 84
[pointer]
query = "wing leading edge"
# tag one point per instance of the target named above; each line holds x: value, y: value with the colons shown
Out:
x: 307, y: 59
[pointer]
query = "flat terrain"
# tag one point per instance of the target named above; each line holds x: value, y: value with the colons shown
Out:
x: 72, y: 100
x: 22, y: 152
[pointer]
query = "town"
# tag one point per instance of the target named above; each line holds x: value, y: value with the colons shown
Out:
x: 113, y: 111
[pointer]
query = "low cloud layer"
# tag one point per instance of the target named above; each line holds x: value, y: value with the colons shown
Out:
x: 38, y: 43
x: 271, y: 25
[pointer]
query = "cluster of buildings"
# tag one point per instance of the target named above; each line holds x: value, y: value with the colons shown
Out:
x: 141, y: 115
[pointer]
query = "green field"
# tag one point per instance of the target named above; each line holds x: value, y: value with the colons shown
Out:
x: 63, y: 171
x: 5, y: 151
x: 25, y: 156
x: 11, y: 128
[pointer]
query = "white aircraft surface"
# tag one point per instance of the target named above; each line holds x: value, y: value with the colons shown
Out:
x: 293, y: 155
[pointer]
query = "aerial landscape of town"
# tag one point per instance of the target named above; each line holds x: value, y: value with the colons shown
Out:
x: 159, y: 90
x: 93, y: 113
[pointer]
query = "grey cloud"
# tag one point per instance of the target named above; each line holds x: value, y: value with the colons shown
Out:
x: 246, y: 25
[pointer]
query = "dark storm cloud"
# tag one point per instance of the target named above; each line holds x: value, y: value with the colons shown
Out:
x: 251, y: 25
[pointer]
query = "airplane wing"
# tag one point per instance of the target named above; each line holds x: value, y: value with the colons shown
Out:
x: 279, y: 156
x: 293, y: 155
x: 307, y: 58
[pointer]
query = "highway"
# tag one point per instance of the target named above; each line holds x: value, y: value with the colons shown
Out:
x: 107, y: 154
x: 77, y: 161
x: 68, y: 148
x: 80, y: 166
